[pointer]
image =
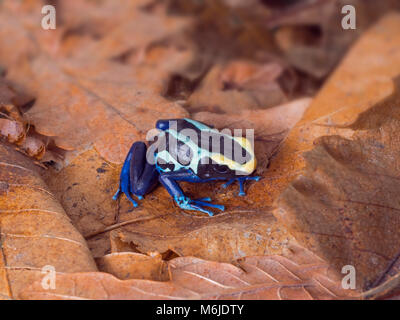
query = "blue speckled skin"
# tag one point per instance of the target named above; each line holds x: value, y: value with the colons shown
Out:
x: 139, y: 178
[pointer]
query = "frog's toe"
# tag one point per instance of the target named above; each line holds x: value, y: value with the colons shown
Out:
x: 198, y: 205
x: 241, y: 180
x: 119, y: 191
x: 199, y: 208
x: 208, y: 204
x: 116, y: 195
x: 228, y: 183
x: 208, y: 199
x: 135, y: 204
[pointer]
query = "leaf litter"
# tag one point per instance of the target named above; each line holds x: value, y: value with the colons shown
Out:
x: 300, y: 275
x: 87, y: 91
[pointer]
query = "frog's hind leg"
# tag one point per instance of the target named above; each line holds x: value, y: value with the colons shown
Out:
x: 138, y: 177
x: 143, y: 175
x: 124, y: 180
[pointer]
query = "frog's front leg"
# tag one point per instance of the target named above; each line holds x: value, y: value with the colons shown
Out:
x: 138, y: 177
x: 169, y: 181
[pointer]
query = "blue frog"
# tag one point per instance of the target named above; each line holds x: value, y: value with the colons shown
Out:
x: 186, y: 150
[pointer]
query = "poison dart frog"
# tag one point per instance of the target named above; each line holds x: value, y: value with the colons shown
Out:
x: 186, y: 150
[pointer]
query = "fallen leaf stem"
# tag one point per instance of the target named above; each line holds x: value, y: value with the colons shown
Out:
x: 116, y: 226
x: 382, y: 289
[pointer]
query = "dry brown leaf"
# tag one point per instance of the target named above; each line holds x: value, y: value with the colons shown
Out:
x: 12, y: 130
x: 245, y: 74
x: 34, y: 229
x: 345, y: 205
x: 299, y: 275
x: 230, y: 235
x: 86, y: 97
x: 238, y: 86
x: 17, y: 130
x: 144, y: 26
x: 92, y: 101
x: 115, y: 29
x: 311, y: 36
x: 130, y: 265
x: 85, y: 188
x: 34, y: 147
x: 387, y: 290
x: 360, y: 82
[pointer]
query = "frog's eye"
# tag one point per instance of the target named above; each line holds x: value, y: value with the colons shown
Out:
x: 221, y: 168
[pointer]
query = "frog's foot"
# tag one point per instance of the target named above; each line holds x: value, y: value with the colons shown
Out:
x: 241, y: 183
x: 198, y: 204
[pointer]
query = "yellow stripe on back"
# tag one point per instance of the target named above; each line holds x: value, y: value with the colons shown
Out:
x: 248, y: 167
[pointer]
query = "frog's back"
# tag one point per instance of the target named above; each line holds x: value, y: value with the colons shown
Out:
x: 189, y: 144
